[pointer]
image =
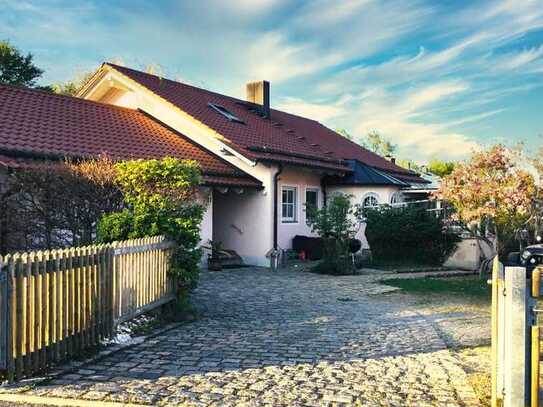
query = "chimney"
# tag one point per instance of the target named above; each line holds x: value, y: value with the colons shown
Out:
x: 259, y: 93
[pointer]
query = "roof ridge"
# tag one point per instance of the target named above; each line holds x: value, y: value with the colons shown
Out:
x: 235, y: 99
x: 163, y: 78
x: 45, y: 92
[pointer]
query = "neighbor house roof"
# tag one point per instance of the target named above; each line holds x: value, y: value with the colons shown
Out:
x: 38, y: 124
x: 283, y: 137
x: 363, y: 174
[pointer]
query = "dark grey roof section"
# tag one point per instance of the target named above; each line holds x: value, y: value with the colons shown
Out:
x: 363, y: 174
x: 225, y: 112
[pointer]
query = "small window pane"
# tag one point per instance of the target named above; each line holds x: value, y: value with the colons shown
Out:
x: 288, y: 204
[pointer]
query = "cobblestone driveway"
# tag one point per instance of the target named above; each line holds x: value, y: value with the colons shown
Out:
x: 284, y: 339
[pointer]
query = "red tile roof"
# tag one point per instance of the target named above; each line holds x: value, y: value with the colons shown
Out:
x: 284, y: 135
x: 40, y: 124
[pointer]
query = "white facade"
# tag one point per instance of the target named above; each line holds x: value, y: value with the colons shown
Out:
x: 300, y: 180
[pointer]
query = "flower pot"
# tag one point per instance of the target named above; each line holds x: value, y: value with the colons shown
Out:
x: 214, y: 263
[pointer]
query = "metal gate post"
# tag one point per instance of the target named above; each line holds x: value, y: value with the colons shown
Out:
x: 517, y: 338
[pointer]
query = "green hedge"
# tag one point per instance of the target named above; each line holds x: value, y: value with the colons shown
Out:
x: 408, y: 235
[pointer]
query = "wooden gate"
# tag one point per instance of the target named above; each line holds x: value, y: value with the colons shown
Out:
x: 515, y: 336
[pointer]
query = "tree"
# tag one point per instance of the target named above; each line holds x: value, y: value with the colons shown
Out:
x: 72, y: 86
x: 410, y: 165
x: 441, y: 168
x: 492, y: 193
x: 378, y: 144
x: 16, y: 68
x: 344, y: 133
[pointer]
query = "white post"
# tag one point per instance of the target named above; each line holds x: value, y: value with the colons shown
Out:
x: 517, y: 361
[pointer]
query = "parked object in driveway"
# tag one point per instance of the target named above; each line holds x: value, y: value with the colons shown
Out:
x: 220, y: 257
x: 311, y: 246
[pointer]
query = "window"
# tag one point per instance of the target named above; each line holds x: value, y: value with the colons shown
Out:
x: 396, y: 198
x: 370, y: 200
x: 311, y: 201
x: 229, y: 115
x: 288, y: 204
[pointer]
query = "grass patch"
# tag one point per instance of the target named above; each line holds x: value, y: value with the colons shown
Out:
x: 403, y: 266
x: 463, y: 286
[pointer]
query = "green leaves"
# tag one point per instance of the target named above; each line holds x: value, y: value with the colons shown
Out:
x: 408, y: 234
x: 16, y: 68
x: 161, y: 199
x: 336, y: 224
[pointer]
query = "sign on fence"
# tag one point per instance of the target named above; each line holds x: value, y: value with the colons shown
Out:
x: 56, y: 303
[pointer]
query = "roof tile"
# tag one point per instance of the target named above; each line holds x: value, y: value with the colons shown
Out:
x: 39, y: 123
x: 284, y: 133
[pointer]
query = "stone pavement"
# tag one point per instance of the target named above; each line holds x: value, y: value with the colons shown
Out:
x: 286, y: 339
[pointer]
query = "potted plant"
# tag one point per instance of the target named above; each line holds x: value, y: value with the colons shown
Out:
x: 214, y: 258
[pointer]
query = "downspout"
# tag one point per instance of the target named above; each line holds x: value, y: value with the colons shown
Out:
x: 275, y: 203
x: 323, y: 188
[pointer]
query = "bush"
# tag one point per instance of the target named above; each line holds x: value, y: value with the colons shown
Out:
x: 335, y: 224
x: 410, y: 234
x: 51, y: 204
x: 160, y: 196
x: 336, y: 259
x: 114, y: 227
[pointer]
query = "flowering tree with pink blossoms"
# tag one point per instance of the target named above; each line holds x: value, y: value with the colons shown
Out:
x: 492, y: 195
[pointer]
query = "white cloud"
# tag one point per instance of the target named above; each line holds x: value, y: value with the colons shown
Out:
x: 272, y: 57
x: 321, y: 112
x: 330, y: 12
x: 421, y: 97
x: 518, y: 59
x: 244, y: 8
x: 399, y: 118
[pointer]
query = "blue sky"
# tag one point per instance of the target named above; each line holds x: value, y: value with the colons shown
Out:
x: 438, y: 78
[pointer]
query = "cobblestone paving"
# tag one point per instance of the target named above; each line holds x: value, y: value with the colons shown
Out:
x: 284, y: 339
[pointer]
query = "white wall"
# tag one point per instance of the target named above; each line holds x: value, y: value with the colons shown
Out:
x: 302, y: 179
x: 244, y: 222
x: 384, y: 194
x: 205, y: 197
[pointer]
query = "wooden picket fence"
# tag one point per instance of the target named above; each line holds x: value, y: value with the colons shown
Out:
x: 54, y: 304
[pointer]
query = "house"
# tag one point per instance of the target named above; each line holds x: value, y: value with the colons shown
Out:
x: 260, y: 165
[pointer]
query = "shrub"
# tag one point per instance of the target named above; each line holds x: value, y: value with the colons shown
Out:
x: 115, y: 226
x: 48, y: 205
x: 335, y: 223
x: 410, y: 234
x: 160, y: 196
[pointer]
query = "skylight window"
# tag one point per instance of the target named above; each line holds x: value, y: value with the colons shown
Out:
x: 229, y: 115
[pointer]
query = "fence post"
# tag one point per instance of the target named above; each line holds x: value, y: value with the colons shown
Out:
x: 517, y: 338
x: 4, y: 319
